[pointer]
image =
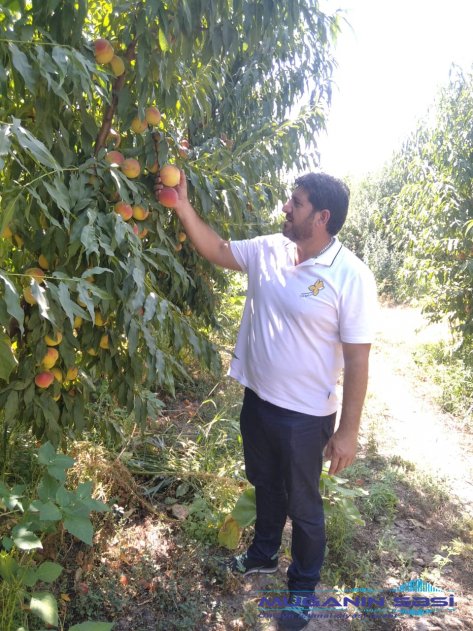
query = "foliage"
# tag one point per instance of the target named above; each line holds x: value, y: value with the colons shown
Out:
x: 451, y: 368
x: 55, y: 509
x: 128, y: 297
x: 426, y: 209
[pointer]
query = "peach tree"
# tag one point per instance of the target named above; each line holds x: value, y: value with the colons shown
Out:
x: 97, y: 280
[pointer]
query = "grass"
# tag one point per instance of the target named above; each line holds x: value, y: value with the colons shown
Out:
x: 452, y: 370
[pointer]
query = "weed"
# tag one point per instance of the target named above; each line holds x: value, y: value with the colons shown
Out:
x: 452, y: 369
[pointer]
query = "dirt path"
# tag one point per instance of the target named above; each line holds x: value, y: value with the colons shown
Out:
x: 411, y: 425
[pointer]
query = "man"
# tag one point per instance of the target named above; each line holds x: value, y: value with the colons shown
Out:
x: 309, y: 313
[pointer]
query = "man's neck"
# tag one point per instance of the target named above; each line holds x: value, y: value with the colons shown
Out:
x: 306, y: 251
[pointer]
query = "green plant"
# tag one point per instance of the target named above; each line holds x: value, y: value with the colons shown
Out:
x: 52, y: 509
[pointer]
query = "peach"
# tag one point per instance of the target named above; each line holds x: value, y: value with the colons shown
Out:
x: 44, y: 379
x: 153, y: 116
x: 135, y: 229
x: 99, y: 319
x: 18, y: 240
x: 104, y: 52
x: 130, y: 167
x: 78, y: 322
x: 104, y: 342
x: 138, y: 125
x: 53, y: 341
x: 114, y: 157
x: 143, y: 233
x: 92, y: 352
x: 154, y: 168
x: 57, y: 375
x: 72, y: 373
x: 43, y: 262
x: 140, y: 213
x: 182, y: 236
x: 28, y: 296
x: 184, y: 143
x: 178, y: 247
x: 6, y: 233
x: 51, y: 357
x: 124, y: 210
x: 35, y: 272
x: 170, y: 175
x: 168, y: 197
x: 118, y: 65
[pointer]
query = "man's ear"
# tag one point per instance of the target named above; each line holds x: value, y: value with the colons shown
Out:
x: 324, y: 216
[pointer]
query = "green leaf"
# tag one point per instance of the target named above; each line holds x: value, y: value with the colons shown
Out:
x: 163, y: 42
x: 49, y: 512
x: 92, y: 626
x: 8, y: 360
x: 80, y: 527
x: 25, y: 539
x: 11, y: 407
x: 44, y: 605
x: 49, y: 571
x: 12, y: 300
x: 245, y: 508
x: 23, y: 66
x: 8, y: 566
x: 46, y: 454
x: 34, y: 147
x: 5, y: 143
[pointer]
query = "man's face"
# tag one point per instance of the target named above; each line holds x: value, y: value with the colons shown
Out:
x: 300, y: 217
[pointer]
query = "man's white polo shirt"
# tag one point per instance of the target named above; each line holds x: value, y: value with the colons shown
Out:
x: 289, y: 347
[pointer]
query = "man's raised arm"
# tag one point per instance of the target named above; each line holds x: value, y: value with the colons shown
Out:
x: 205, y: 240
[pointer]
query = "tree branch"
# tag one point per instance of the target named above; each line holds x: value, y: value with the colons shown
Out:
x: 111, y: 109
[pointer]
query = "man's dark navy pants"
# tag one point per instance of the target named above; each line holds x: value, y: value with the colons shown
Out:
x: 283, y: 459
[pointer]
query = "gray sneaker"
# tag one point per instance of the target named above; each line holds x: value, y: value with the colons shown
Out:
x: 243, y: 565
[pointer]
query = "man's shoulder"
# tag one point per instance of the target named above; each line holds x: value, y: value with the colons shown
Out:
x: 351, y: 261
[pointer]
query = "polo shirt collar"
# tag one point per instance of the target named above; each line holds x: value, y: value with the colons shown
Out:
x: 328, y: 257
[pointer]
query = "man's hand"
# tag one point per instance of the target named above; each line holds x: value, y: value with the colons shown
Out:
x: 181, y: 190
x: 341, y: 450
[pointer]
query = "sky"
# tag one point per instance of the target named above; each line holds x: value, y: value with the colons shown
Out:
x: 392, y: 60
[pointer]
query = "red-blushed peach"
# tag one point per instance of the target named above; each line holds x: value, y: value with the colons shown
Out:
x: 154, y: 168
x: 140, y: 213
x: 170, y: 175
x: 114, y: 157
x: 44, y: 379
x: 143, y: 233
x: 51, y: 357
x: 131, y: 168
x: 124, y: 210
x: 103, y: 51
x: 153, y: 116
x: 168, y: 197
x: 135, y: 229
x: 35, y: 272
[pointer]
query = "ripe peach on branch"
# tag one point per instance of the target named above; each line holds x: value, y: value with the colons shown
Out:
x: 170, y: 175
x: 131, y: 168
x: 103, y: 50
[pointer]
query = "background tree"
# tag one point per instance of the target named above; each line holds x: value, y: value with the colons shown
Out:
x: 87, y: 292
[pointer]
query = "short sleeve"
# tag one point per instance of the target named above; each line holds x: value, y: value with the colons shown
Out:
x: 359, y: 308
x: 245, y: 251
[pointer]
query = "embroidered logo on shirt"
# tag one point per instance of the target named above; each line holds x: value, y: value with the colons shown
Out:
x: 314, y: 289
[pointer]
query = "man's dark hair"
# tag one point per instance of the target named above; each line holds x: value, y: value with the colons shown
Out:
x: 327, y: 192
